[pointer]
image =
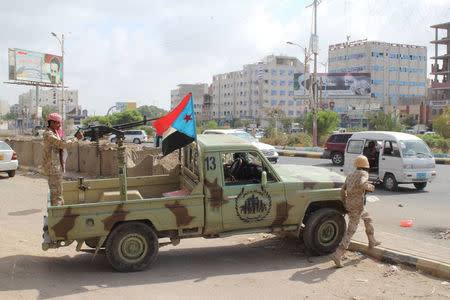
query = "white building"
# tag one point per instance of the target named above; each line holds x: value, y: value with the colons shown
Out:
x: 52, y: 98
x: 199, y: 90
x: 257, y: 90
x: 398, y: 71
x: 4, y: 107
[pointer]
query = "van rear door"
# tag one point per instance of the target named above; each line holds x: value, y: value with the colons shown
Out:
x: 354, y: 148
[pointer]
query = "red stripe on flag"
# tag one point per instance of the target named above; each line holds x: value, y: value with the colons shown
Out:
x: 162, y: 124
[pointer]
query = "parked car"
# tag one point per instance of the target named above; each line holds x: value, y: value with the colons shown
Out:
x: 266, y: 149
x: 334, y: 148
x: 133, y: 136
x: 8, y: 159
x: 400, y: 158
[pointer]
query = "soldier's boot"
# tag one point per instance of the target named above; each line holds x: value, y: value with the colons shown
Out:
x: 336, y: 257
x: 373, y: 243
x: 370, y: 231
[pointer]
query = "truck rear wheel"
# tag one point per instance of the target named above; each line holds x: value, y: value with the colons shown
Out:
x: 324, y: 231
x: 132, y: 246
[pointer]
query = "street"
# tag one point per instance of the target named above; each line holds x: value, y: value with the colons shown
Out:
x: 257, y: 266
x: 428, y: 209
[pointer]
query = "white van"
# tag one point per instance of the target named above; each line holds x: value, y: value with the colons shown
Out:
x: 399, y: 158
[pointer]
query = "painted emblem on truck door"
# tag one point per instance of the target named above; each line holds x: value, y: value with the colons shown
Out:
x: 253, y: 205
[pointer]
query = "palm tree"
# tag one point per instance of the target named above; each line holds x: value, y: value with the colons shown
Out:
x: 382, y: 121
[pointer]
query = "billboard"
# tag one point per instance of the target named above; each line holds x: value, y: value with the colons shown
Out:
x: 334, y: 84
x: 123, y: 106
x: 33, y: 66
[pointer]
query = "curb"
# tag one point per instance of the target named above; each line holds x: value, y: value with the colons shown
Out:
x: 435, y: 268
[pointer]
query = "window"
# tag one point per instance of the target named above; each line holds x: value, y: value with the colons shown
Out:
x: 274, y: 82
x: 273, y: 92
x: 392, y: 82
x: 393, y: 69
x: 378, y: 54
x: 291, y: 102
x: 299, y: 102
x: 282, y: 72
x: 290, y: 72
x: 282, y: 93
x: 355, y: 146
x: 377, y: 68
x: 290, y: 83
x: 282, y: 102
x: 274, y: 72
x: 291, y: 93
x: 377, y: 82
x: 393, y: 55
x: 282, y: 82
x: 273, y: 102
x: 391, y: 149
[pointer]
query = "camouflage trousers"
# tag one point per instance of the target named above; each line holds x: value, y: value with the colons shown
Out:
x: 55, y: 186
x: 353, y: 221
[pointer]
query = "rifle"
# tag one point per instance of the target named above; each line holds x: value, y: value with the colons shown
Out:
x: 95, y: 132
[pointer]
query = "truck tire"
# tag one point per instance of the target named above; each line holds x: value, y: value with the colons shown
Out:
x: 324, y: 231
x: 131, y: 247
x: 12, y: 173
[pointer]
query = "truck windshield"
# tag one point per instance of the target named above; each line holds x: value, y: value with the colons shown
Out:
x: 414, y: 148
x: 245, y: 136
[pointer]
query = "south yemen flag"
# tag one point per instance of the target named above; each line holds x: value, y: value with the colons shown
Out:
x: 177, y: 128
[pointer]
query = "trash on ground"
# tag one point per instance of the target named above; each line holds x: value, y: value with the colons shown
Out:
x: 362, y: 280
x: 372, y: 198
x: 406, y: 223
x: 392, y: 270
x: 400, y: 205
x: 444, y: 283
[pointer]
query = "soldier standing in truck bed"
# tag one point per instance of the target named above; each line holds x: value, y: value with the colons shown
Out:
x: 353, y: 192
x: 53, y: 156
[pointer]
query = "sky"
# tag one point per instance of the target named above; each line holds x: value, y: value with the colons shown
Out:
x: 140, y: 50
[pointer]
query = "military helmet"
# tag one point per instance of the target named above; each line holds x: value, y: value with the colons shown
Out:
x: 362, y: 162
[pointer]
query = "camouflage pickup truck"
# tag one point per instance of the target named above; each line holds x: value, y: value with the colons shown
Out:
x: 222, y: 186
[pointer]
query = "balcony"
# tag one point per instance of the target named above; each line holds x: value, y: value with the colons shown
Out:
x: 440, y: 85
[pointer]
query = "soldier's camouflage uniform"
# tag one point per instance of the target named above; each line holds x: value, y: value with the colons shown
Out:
x: 52, y: 162
x: 353, y: 191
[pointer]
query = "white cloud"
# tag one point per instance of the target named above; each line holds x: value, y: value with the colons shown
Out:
x: 140, y: 50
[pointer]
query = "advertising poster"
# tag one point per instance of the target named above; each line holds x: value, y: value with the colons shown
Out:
x: 334, y: 84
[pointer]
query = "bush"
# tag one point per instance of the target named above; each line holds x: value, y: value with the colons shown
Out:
x: 436, y: 142
x: 150, y: 131
x: 300, y: 139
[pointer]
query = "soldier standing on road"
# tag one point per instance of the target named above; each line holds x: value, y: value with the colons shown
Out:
x: 53, y: 156
x: 353, y: 192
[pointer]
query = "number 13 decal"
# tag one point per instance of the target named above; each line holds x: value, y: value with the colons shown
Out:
x: 210, y: 163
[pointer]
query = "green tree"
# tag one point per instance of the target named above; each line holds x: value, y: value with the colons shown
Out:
x: 99, y: 119
x: 287, y: 124
x: 125, y: 117
x: 211, y: 125
x: 151, y: 111
x: 327, y: 121
x: 442, y: 124
x: 237, y: 123
x: 408, y: 121
x: 9, y: 116
x: 46, y: 110
x: 381, y: 121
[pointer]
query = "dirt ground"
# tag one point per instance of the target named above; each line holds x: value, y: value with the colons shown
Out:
x: 257, y: 266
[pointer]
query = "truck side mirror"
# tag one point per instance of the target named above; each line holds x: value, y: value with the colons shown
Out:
x: 264, y: 178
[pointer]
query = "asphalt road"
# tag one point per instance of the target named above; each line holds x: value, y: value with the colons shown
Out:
x: 428, y: 209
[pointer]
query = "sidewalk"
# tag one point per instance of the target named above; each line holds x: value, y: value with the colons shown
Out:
x: 395, y: 249
x: 316, y: 154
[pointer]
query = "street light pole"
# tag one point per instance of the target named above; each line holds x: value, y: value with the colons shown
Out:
x: 315, y: 78
x: 63, y: 107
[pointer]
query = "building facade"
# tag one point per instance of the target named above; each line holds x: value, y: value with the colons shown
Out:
x: 257, y: 91
x: 398, y: 72
x: 4, y: 107
x: 439, y: 93
x: 51, y: 98
x: 199, y: 90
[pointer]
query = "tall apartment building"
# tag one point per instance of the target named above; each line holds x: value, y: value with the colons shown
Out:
x: 4, y: 107
x: 51, y: 98
x: 398, y: 71
x: 199, y: 90
x: 440, y: 86
x: 256, y: 90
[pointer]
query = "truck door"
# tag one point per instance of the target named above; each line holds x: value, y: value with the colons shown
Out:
x: 247, y: 203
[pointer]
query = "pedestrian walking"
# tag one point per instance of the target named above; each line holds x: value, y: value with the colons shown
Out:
x: 353, y: 192
x: 53, y: 156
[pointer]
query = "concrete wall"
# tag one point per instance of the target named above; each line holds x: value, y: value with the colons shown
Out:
x: 87, y: 158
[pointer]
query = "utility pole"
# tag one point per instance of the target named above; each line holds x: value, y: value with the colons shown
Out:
x: 315, y: 46
x: 63, y: 107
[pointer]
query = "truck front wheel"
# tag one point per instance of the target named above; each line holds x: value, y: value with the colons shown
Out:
x: 132, y: 246
x: 324, y: 231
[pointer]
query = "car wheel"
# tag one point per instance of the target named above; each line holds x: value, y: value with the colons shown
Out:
x: 324, y: 231
x: 113, y: 140
x: 420, y: 185
x: 390, y: 183
x: 337, y: 158
x: 132, y: 246
x: 12, y: 173
x: 137, y: 141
